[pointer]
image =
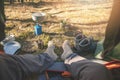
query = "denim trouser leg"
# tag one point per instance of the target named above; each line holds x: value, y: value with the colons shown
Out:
x: 19, y: 67
x: 34, y: 63
x: 83, y: 69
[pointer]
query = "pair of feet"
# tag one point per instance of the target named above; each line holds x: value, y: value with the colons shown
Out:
x: 66, y: 50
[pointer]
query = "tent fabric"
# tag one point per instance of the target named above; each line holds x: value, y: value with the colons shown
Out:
x: 99, y: 49
x: 114, y: 54
x: 112, y: 33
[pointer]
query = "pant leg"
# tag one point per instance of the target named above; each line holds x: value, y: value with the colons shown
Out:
x: 19, y: 67
x: 83, y: 69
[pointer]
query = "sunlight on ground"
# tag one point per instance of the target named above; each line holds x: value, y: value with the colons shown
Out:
x: 81, y: 15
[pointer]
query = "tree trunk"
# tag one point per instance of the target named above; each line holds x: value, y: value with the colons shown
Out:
x: 2, y: 20
x: 22, y: 1
x: 11, y: 1
x: 18, y: 0
x: 112, y: 35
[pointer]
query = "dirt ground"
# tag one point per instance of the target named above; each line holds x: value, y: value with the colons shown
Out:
x: 63, y: 20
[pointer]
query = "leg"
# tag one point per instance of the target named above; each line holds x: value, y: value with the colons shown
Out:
x: 83, y: 69
x: 18, y: 67
x: 38, y: 63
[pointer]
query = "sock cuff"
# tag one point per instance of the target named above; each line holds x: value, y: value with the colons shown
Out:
x: 72, y: 55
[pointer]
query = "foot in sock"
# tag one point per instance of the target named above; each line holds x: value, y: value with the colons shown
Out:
x: 66, y: 50
x: 50, y: 50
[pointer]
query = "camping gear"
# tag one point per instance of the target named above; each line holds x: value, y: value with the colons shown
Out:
x: 113, y: 59
x: 11, y: 47
x: 57, y: 71
x: 8, y: 39
x: 38, y: 17
x: 38, y: 29
x: 78, y: 38
x: 113, y: 55
x: 84, y: 44
x: 3, y: 42
x: 99, y: 49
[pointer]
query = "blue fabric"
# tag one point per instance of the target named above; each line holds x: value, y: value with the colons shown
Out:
x: 18, y: 67
x: 57, y: 66
x: 54, y: 72
x: 52, y: 76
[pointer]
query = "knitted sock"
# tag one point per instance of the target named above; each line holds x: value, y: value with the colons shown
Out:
x: 50, y: 50
x: 67, y: 50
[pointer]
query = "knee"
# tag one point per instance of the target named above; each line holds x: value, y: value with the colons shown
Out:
x: 97, y: 72
x: 97, y: 68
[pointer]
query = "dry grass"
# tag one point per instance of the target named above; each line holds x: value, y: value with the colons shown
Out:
x: 91, y: 18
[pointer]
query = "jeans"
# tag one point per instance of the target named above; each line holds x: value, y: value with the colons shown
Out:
x: 19, y: 67
x: 83, y: 69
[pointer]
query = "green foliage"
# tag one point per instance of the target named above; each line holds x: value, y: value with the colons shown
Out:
x: 44, y: 37
x: 24, y: 36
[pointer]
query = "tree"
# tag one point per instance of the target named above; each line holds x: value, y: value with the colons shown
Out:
x: 2, y: 20
x: 11, y: 1
x: 112, y: 35
x: 21, y: 1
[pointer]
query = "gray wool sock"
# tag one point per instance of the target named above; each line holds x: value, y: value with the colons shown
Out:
x: 50, y: 50
x: 67, y: 50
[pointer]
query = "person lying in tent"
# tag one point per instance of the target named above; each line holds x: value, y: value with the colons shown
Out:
x: 19, y: 67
